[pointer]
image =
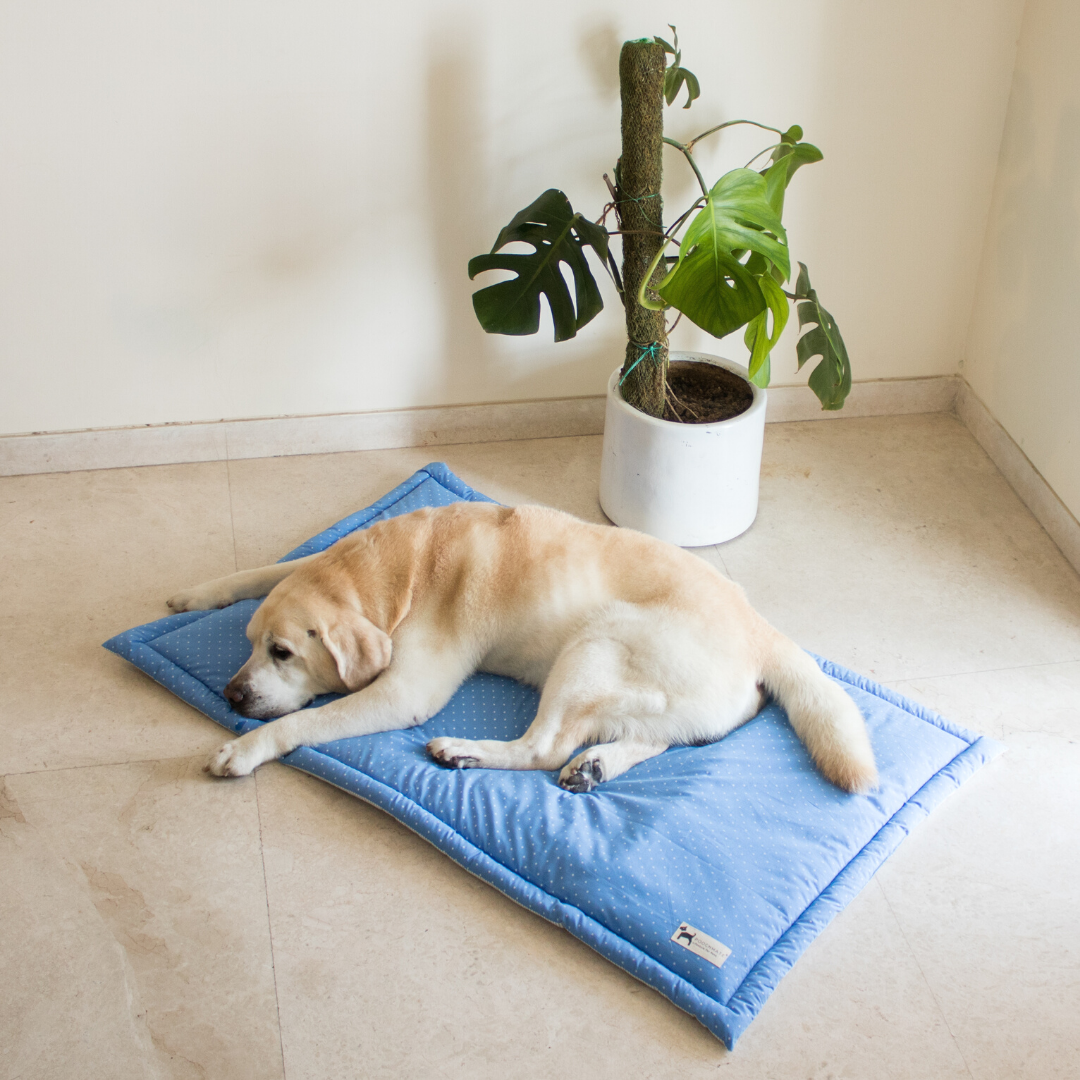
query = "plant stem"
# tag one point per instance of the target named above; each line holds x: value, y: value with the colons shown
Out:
x: 647, y: 281
x: 679, y: 223
x: 693, y: 164
x: 658, y: 258
x: 613, y: 272
x: 760, y: 152
x: 727, y: 124
x: 675, y: 397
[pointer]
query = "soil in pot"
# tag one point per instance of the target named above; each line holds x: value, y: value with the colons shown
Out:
x: 704, y: 393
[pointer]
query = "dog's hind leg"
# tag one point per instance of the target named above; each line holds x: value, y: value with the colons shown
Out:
x: 590, y: 696
x: 605, y: 762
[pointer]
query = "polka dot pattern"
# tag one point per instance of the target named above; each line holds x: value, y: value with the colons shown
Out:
x: 743, y: 838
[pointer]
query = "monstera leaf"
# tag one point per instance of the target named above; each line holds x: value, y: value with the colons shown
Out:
x: 831, y: 379
x: 557, y: 235
x: 710, y: 284
x: 759, y: 340
x: 788, y: 157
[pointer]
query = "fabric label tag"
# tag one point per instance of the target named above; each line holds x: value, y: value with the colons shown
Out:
x: 700, y: 944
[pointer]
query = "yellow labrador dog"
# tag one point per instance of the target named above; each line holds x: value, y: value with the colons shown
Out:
x: 636, y: 645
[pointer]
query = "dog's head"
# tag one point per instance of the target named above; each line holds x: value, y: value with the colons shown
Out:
x: 305, y: 643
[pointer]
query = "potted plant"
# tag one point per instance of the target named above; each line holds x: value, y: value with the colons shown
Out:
x: 682, y: 433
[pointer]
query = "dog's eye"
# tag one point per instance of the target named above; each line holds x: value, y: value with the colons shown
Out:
x: 279, y: 652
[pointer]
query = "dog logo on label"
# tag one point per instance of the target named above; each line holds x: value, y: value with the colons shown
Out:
x: 700, y: 944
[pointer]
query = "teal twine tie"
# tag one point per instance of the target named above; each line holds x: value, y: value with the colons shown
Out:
x: 652, y: 351
x: 641, y: 199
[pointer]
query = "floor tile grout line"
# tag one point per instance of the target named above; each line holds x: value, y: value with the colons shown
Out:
x: 719, y: 555
x: 31, y: 506
x: 922, y: 973
x: 269, y: 927
x: 102, y: 765
x: 980, y: 671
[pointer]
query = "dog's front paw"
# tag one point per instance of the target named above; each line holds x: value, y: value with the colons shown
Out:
x: 582, y: 774
x: 197, y: 599
x: 454, y: 753
x: 236, y: 758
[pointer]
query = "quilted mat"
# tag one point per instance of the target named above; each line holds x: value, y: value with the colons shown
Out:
x: 704, y: 872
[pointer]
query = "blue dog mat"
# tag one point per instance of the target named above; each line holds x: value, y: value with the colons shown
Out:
x: 739, y: 849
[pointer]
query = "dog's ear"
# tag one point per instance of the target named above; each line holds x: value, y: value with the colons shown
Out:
x: 360, y: 651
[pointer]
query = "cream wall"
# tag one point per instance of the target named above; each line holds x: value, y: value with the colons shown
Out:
x: 222, y: 208
x: 1023, y: 359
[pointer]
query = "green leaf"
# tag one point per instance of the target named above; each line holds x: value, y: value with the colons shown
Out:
x: 757, y: 337
x: 802, y: 153
x: 714, y: 290
x: 558, y: 235
x: 709, y: 284
x: 693, y: 87
x: 786, y: 160
x: 831, y: 379
x: 674, y: 78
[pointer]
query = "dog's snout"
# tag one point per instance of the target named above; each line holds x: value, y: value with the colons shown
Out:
x: 236, y: 693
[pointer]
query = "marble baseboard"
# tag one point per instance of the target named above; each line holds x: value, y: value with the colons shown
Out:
x: 1036, y: 494
x: 114, y: 448
x: 170, y: 444
x: 878, y: 397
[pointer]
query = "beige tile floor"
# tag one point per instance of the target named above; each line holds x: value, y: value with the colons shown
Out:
x: 154, y: 922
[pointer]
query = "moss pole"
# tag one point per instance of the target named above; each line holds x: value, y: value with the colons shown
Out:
x: 640, y: 212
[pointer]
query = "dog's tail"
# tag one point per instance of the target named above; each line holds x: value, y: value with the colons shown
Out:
x: 826, y: 720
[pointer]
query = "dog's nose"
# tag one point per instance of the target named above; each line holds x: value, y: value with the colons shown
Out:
x: 235, y: 693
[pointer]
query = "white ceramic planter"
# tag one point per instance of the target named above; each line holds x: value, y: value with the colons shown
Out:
x: 689, y: 484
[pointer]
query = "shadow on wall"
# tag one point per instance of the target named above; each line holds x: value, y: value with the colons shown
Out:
x: 456, y: 184
x: 598, y: 49
x: 1038, y: 238
x: 476, y: 367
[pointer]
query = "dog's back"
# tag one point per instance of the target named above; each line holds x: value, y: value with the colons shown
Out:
x: 519, y: 581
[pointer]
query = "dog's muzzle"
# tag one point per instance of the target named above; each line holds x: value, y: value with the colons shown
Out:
x: 239, y: 697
